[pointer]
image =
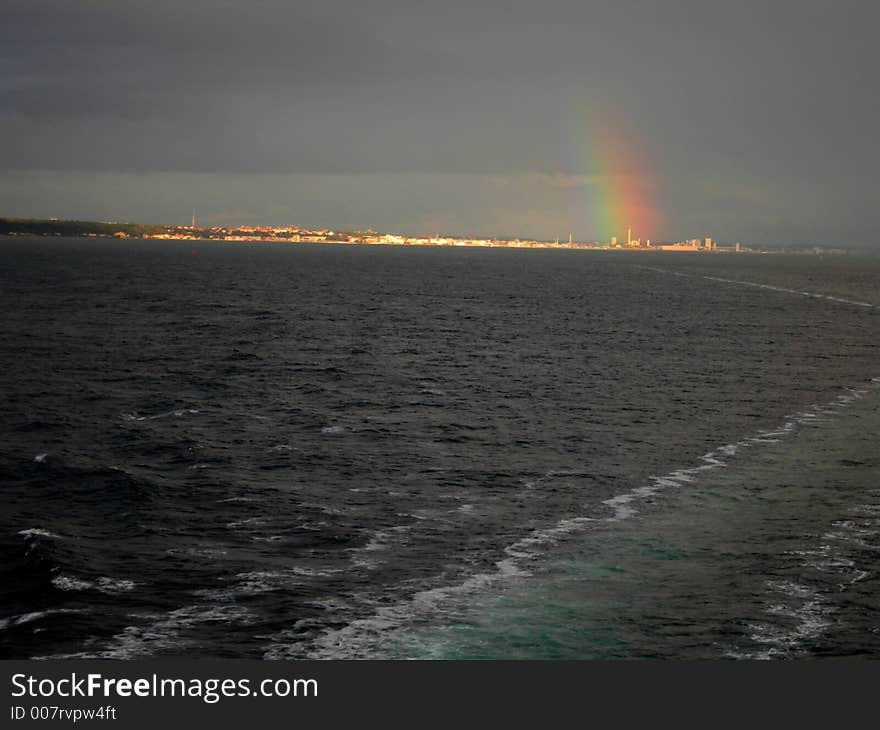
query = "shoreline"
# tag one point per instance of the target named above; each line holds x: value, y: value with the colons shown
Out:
x: 452, y: 243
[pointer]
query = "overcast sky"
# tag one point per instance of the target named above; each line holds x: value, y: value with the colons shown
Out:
x: 741, y: 119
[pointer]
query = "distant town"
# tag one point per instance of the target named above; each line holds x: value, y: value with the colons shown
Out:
x: 297, y: 234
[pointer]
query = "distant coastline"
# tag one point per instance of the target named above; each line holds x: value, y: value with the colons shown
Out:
x: 295, y: 234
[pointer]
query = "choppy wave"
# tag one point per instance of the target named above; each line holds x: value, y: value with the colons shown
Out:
x: 104, y: 584
x: 34, y: 532
x: 33, y: 616
x: 366, y: 636
x: 177, y: 413
x: 368, y: 556
x: 801, y: 612
x: 162, y: 633
x: 387, y: 438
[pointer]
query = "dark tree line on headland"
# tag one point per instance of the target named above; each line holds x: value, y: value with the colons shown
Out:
x: 56, y: 227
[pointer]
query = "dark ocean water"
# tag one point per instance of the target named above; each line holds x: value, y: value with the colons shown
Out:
x: 326, y: 451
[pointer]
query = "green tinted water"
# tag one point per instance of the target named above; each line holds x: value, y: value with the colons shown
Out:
x: 775, y: 555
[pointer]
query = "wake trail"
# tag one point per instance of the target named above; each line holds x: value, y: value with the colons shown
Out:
x: 758, y: 285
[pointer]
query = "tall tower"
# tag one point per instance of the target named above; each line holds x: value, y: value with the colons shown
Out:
x: 629, y: 236
x: 194, y: 218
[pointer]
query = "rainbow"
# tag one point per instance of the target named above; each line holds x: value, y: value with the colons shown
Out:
x: 621, y: 193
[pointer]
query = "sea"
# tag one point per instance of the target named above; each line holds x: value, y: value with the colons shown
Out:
x: 280, y: 451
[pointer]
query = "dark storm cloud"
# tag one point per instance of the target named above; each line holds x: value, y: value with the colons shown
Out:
x: 410, y: 86
x: 774, y: 91
x: 308, y: 97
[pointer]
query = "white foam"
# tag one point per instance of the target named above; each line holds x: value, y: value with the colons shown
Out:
x: 869, y: 509
x: 115, y: 585
x: 40, y: 458
x: 362, y: 637
x: 248, y: 522
x: 33, y: 532
x: 805, y: 616
x: 177, y: 413
x: 380, y: 540
x: 805, y: 606
x: 162, y: 632
x: 332, y: 429
x: 27, y: 618
x: 249, y: 584
x: 103, y: 584
x: 315, y: 572
x: 774, y: 434
x: 860, y: 575
x: 66, y: 583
